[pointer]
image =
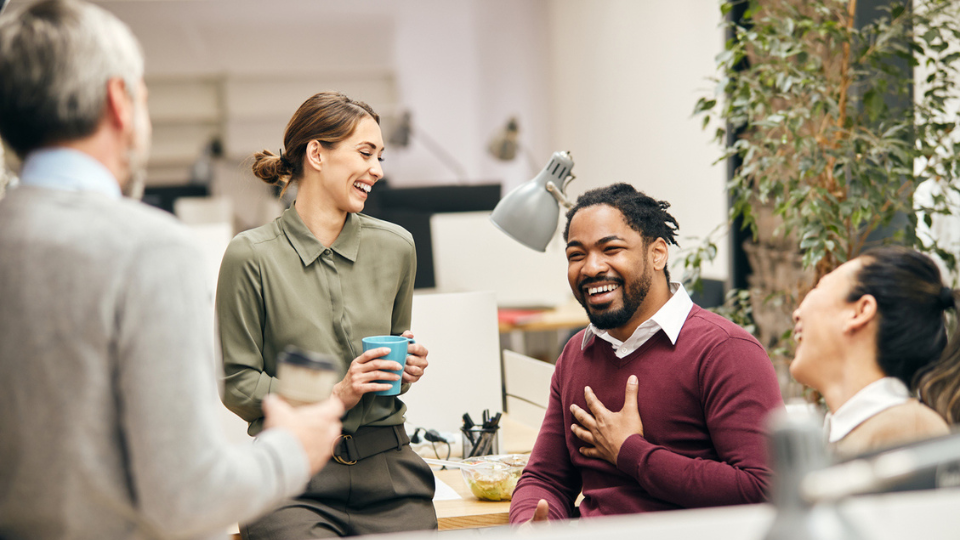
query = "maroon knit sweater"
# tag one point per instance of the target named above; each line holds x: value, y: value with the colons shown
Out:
x: 703, y: 403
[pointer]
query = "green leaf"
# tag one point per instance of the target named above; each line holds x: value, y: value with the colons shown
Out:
x: 704, y: 104
x: 873, y: 103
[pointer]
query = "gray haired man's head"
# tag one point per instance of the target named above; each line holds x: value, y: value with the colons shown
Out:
x: 55, y: 60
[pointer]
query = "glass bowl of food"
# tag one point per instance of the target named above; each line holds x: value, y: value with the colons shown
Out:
x: 493, y: 478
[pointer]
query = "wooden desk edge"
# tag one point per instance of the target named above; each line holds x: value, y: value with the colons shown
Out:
x: 467, y: 512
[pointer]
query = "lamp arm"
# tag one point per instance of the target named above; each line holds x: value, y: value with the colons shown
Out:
x: 437, y: 150
x: 559, y: 195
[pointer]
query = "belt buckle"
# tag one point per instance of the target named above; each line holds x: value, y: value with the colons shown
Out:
x: 342, y: 439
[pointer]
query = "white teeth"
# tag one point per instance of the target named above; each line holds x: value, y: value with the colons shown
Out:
x: 601, y: 289
x: 362, y: 186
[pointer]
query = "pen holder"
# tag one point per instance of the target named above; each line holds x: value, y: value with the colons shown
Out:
x: 478, y: 441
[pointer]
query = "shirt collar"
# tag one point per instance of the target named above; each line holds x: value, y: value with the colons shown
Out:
x: 309, y: 248
x: 68, y: 170
x: 869, y: 401
x: 669, y: 318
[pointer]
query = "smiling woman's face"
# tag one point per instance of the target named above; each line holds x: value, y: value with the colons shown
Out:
x: 349, y: 171
x: 819, y: 325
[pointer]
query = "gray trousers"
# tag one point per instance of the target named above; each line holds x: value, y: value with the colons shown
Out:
x: 388, y: 492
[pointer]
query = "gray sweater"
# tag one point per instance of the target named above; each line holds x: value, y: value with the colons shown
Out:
x: 108, y: 392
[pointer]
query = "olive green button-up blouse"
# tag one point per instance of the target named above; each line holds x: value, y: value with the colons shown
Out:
x: 280, y: 286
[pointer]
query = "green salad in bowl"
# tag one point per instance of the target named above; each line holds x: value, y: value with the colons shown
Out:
x: 493, y: 478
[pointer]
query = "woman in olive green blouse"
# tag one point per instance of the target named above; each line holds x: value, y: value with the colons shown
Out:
x: 321, y: 277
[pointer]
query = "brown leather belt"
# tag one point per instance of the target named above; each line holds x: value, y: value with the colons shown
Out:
x: 368, y: 441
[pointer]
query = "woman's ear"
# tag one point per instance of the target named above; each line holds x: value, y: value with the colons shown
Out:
x: 314, y: 155
x: 864, y: 311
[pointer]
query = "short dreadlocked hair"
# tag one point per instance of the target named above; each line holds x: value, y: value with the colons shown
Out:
x: 644, y: 214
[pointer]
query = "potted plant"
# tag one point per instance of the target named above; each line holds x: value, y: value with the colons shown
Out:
x: 832, y: 138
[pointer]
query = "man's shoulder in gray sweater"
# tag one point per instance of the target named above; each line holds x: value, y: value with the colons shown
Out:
x: 107, y: 380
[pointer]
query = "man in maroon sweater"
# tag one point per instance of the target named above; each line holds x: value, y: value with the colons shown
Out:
x: 657, y: 404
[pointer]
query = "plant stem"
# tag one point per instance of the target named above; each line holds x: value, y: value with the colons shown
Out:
x: 845, y: 64
x: 828, y: 262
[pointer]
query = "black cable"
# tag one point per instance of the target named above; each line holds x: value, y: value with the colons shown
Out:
x: 437, y: 452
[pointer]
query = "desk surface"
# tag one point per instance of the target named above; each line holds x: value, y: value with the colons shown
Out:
x: 467, y: 512
x: 566, y: 317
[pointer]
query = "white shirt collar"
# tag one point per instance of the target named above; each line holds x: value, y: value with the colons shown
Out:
x: 68, y: 169
x: 669, y: 318
x: 869, y: 401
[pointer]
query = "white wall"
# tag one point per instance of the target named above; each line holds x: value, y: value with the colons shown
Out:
x: 626, y: 75
x: 462, y: 67
x: 613, y: 81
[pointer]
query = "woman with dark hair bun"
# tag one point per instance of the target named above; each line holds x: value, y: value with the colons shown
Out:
x: 869, y: 336
x: 322, y: 277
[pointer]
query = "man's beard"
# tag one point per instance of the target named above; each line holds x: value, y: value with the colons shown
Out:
x: 633, y: 296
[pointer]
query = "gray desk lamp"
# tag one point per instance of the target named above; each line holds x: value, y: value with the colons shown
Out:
x: 797, y: 450
x: 529, y: 214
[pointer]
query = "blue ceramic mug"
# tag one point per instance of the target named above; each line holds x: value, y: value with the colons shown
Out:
x: 398, y: 353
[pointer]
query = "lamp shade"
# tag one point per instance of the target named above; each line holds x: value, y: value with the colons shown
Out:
x: 530, y: 212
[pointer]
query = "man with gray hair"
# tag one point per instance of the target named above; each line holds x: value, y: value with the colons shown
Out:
x: 107, y: 386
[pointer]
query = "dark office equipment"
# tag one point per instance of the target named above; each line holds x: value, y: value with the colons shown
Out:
x: 163, y: 196
x: 412, y: 207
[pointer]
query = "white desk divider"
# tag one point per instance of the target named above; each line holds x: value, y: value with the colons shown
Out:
x: 527, y: 385
x: 460, y: 331
x: 470, y: 253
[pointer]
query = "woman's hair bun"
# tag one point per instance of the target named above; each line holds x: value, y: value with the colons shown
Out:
x: 947, y: 299
x: 270, y: 167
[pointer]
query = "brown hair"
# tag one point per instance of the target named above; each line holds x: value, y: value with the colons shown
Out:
x: 327, y: 117
x: 940, y: 386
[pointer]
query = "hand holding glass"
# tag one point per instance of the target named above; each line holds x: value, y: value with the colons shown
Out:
x: 305, y: 377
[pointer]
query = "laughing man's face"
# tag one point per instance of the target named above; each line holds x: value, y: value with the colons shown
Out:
x: 607, y: 266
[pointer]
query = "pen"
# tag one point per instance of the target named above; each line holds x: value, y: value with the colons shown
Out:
x: 490, y: 427
x: 487, y: 443
x: 467, y: 426
x: 479, y: 449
